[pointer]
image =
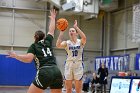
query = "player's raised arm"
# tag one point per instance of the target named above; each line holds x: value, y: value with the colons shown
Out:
x: 82, y: 35
x: 60, y: 43
x: 52, y: 22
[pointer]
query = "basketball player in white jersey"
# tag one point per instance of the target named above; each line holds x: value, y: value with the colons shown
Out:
x: 74, y: 62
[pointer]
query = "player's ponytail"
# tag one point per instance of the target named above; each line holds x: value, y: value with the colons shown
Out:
x: 39, y: 35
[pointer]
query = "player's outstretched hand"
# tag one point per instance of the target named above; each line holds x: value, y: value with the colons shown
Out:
x: 53, y: 13
x: 12, y: 54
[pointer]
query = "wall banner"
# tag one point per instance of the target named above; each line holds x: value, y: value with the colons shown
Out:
x: 137, y: 62
x: 113, y: 62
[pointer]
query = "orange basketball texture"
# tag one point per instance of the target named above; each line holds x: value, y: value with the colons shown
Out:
x: 62, y: 24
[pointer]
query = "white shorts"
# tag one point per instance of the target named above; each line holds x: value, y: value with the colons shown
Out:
x: 73, y: 70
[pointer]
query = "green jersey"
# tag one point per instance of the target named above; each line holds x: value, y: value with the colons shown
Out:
x: 43, y: 52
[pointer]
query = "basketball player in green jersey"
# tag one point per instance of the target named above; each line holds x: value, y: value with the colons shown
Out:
x: 48, y: 74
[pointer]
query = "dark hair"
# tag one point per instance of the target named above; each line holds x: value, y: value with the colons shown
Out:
x: 39, y: 35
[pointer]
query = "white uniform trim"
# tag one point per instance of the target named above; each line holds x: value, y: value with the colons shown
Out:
x: 37, y: 80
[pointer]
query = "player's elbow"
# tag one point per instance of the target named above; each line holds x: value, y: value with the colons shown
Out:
x: 84, y: 38
x: 57, y: 45
x: 29, y: 60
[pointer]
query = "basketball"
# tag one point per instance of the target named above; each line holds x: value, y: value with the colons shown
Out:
x: 62, y: 24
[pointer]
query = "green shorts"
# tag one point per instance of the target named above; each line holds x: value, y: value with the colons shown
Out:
x: 48, y: 76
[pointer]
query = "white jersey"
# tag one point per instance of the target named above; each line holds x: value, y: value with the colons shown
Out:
x: 74, y: 51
